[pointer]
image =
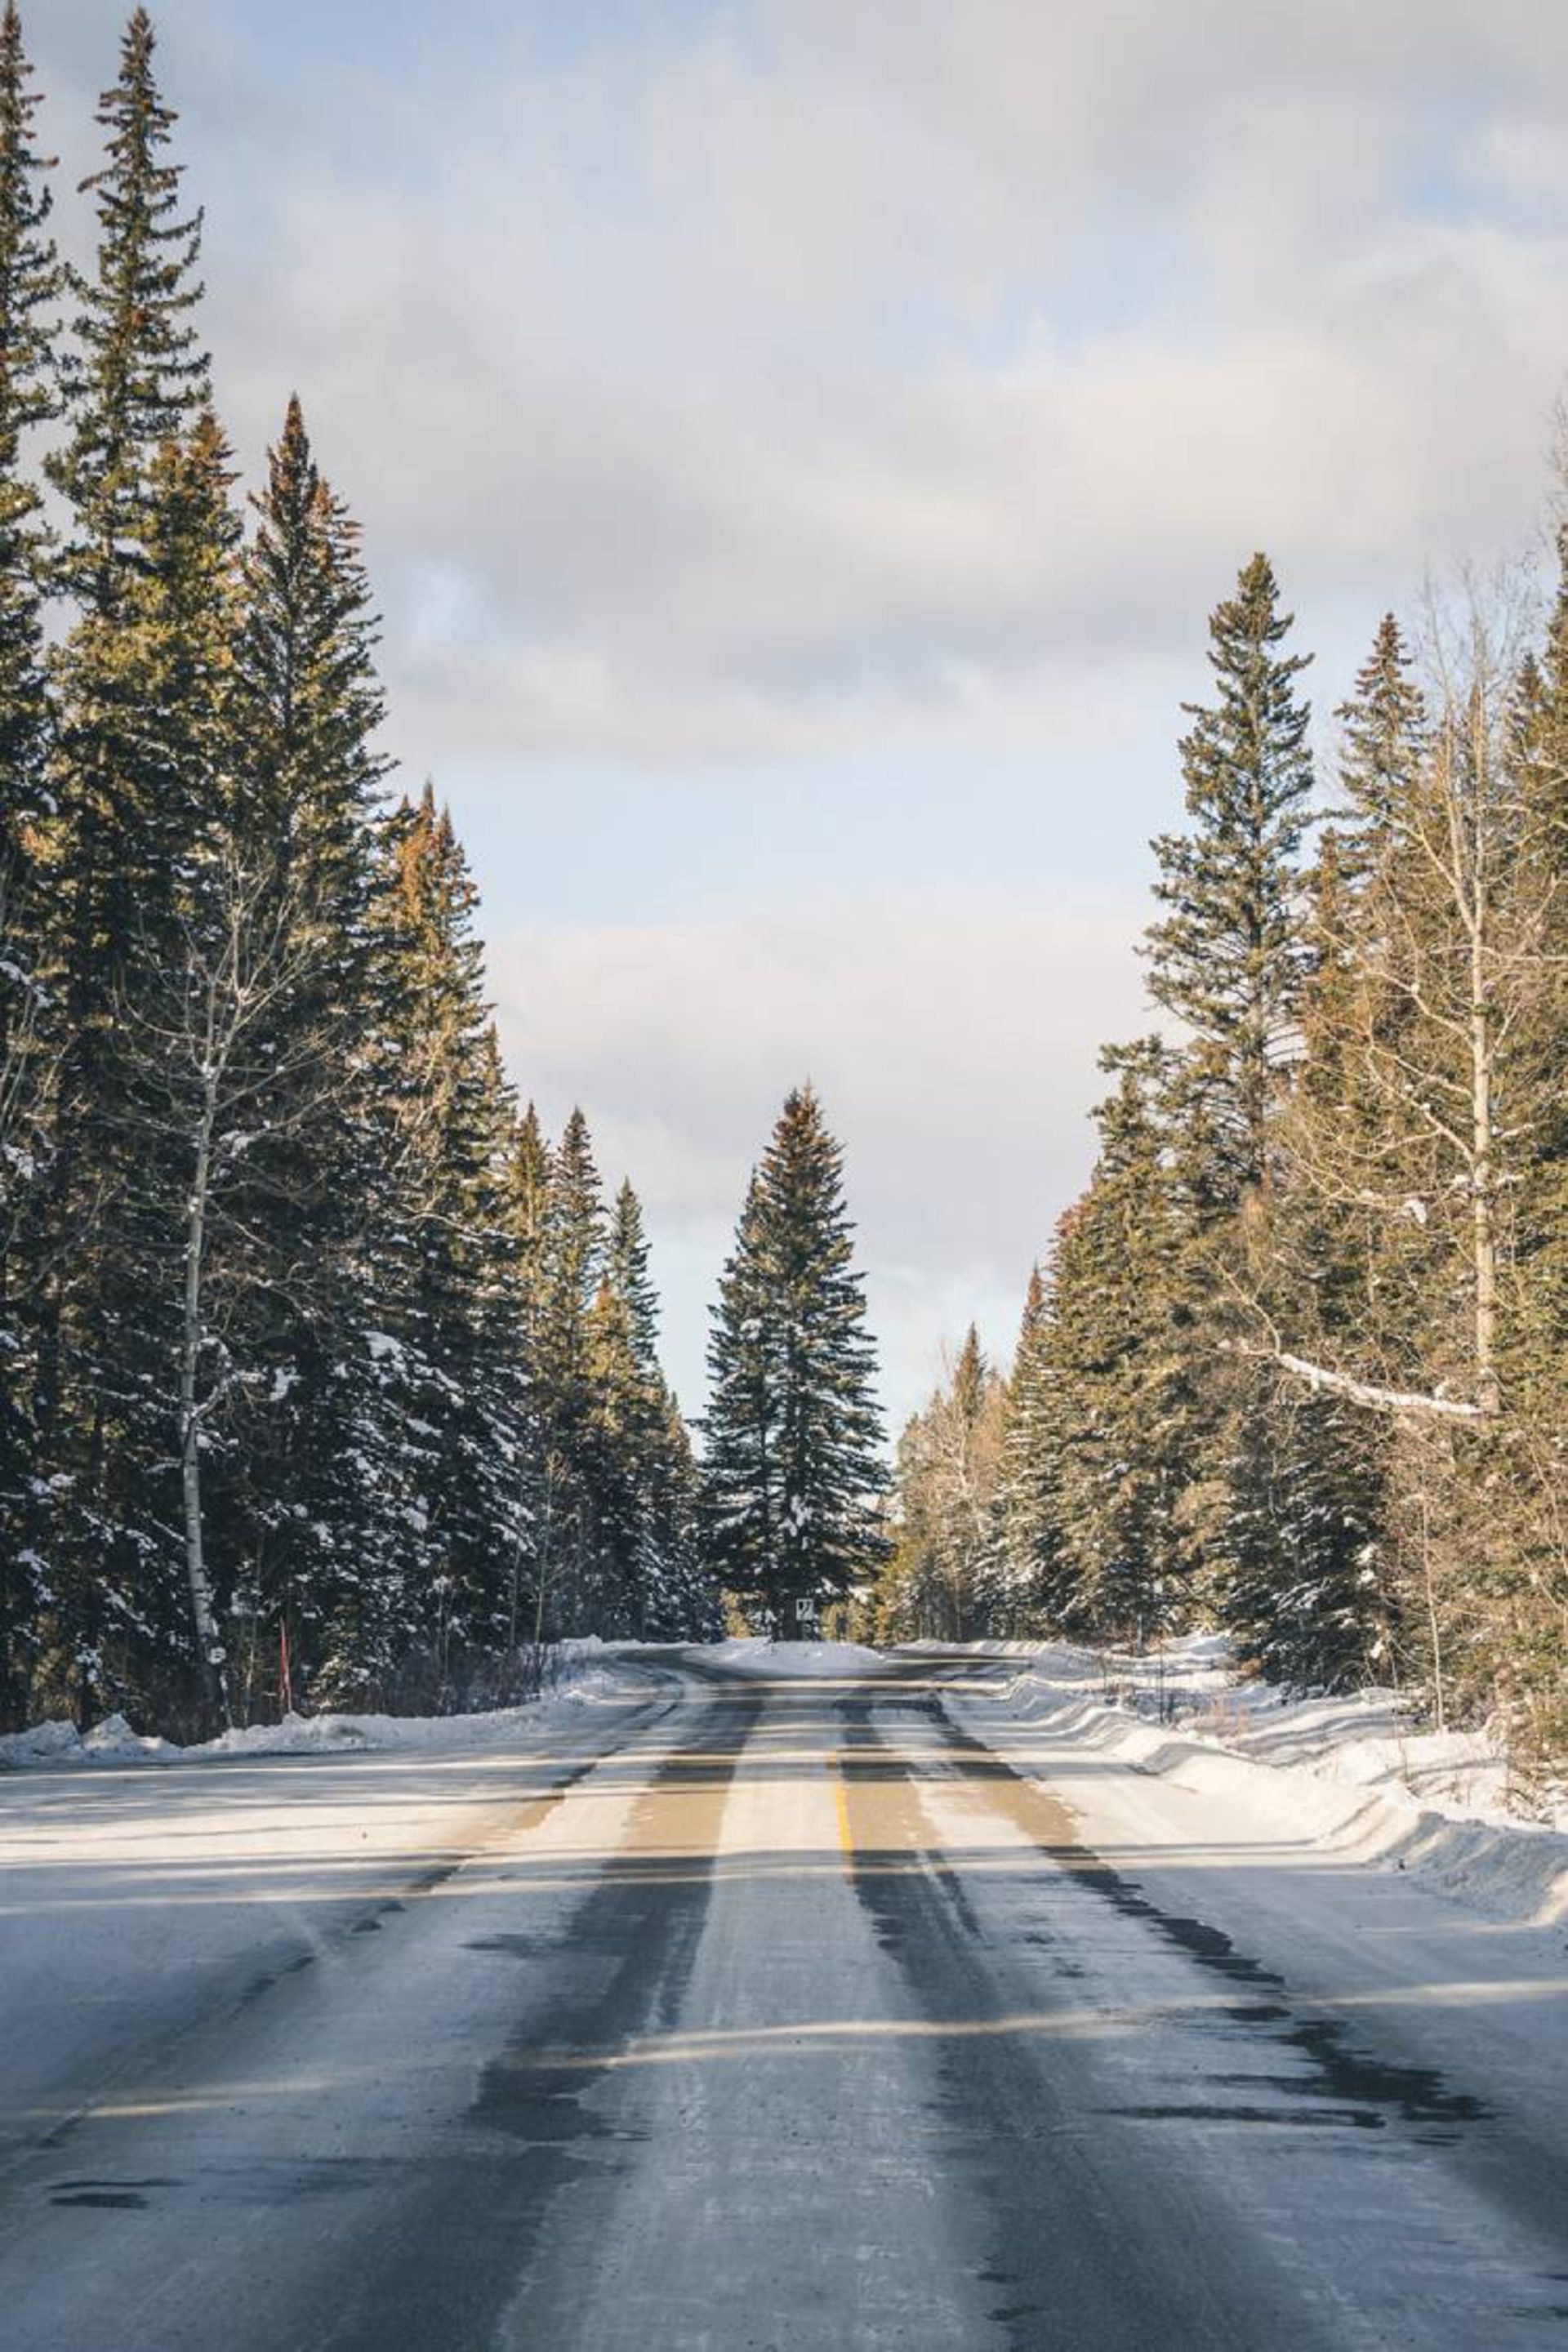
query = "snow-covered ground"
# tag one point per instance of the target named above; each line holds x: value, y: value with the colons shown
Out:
x: 585, y: 1673
x: 1353, y: 1773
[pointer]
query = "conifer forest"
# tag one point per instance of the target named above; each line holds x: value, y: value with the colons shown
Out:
x: 329, y: 1378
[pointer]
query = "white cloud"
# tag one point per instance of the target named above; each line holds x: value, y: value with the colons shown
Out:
x: 777, y: 360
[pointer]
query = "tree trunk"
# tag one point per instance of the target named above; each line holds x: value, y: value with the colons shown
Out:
x: 1483, y: 1215
x: 209, y: 1650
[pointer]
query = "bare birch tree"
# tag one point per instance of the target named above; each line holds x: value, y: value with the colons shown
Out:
x: 222, y: 1068
x: 1436, y: 952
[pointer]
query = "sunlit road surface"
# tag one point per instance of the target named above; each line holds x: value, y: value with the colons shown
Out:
x: 754, y: 2016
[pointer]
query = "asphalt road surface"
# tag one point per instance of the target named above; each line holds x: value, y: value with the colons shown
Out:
x: 755, y: 2015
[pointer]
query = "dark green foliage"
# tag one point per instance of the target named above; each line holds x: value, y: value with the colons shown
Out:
x: 138, y: 680
x: 31, y: 282
x: 792, y: 1475
x: 940, y: 1579
x: 612, y: 1548
x: 303, y: 1500
x: 297, y: 1322
x: 138, y: 372
x: 1123, y: 1413
x: 1308, y: 1592
x: 140, y: 789
x: 1026, y: 1514
x: 1227, y: 957
x: 438, y: 1435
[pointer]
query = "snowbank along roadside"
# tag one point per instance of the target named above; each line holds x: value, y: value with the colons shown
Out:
x: 587, y: 1673
x: 1351, y: 1772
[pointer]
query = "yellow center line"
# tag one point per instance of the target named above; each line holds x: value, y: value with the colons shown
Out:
x: 841, y: 1805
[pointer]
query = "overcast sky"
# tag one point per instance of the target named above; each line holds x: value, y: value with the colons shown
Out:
x: 799, y: 442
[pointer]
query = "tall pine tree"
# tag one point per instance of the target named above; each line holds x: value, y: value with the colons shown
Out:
x: 145, y: 491
x: 1226, y: 957
x: 792, y: 1473
x: 31, y: 283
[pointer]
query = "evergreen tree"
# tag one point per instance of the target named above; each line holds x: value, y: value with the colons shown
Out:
x: 139, y: 373
x: 310, y: 1504
x: 108, y: 1396
x: 304, y: 1339
x: 1026, y: 1515
x: 1227, y: 956
x: 1538, y: 754
x: 1311, y: 1593
x: 452, y: 1456
x: 668, y: 1593
x: 680, y: 1600
x: 150, y: 536
x: 939, y: 1582
x: 792, y: 1477
x: 31, y: 282
x: 1124, y: 1403
x: 626, y: 1273
x: 1309, y: 1590
x: 572, y: 1271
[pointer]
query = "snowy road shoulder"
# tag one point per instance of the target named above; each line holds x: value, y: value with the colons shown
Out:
x: 585, y: 1675
x: 1345, y: 1775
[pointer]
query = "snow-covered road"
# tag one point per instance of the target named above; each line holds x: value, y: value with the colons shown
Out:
x: 756, y: 2012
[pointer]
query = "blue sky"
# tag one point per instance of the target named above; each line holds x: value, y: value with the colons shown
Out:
x: 798, y: 443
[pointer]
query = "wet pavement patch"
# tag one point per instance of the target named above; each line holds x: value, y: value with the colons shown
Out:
x: 1418, y: 2093
x: 1199, y: 2111
x: 104, y: 2200
x: 263, y: 1983
x: 1363, y: 2090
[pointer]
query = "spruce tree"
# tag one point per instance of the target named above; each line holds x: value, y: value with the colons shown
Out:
x: 1534, y: 1064
x: 1308, y: 1588
x: 145, y: 487
x: 572, y: 1271
x: 110, y: 1410
x: 650, y: 1463
x: 528, y: 1193
x: 452, y: 1458
x: 1227, y: 957
x: 941, y: 1580
x: 626, y: 1272
x: 1124, y: 1401
x: 679, y: 1598
x: 309, y: 1506
x: 139, y: 373
x: 1025, y: 1510
x: 31, y: 282
x: 791, y: 1474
